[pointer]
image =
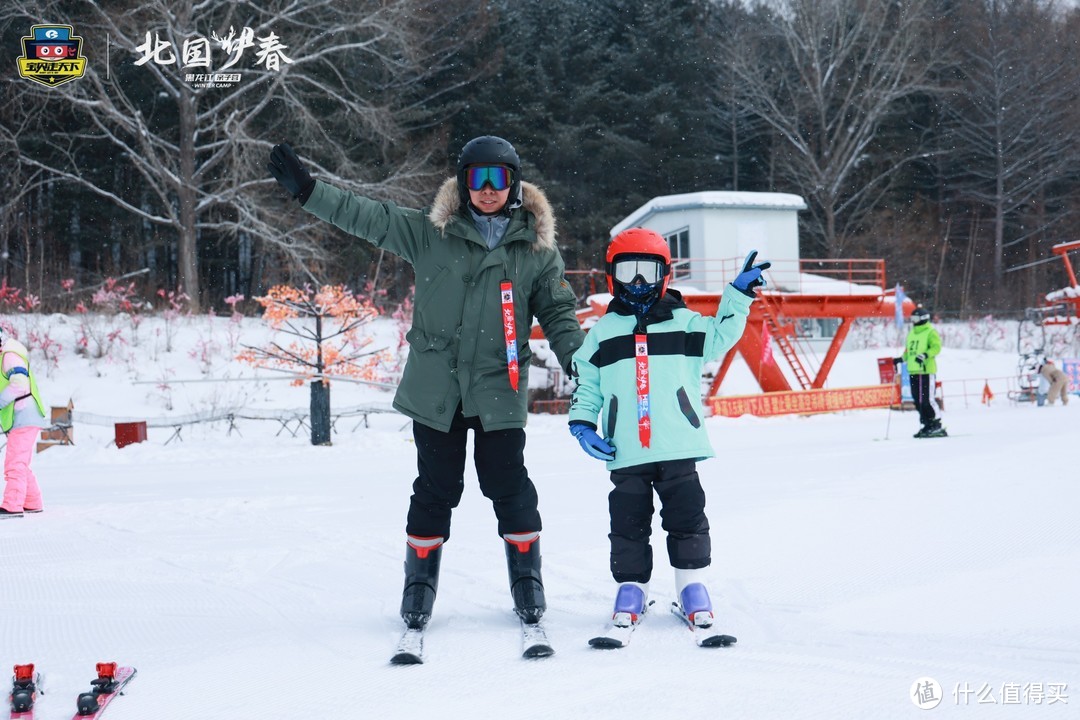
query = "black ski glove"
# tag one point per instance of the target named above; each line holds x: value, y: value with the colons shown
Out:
x: 921, y: 358
x: 897, y: 361
x: 287, y: 170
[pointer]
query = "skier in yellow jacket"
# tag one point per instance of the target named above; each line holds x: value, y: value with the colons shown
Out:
x: 920, y: 353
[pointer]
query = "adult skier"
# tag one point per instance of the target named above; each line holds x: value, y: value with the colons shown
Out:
x: 486, y: 263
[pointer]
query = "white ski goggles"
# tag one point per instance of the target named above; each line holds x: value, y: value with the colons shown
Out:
x: 627, y: 270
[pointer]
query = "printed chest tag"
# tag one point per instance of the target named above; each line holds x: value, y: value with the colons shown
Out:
x: 641, y: 365
x: 506, y: 293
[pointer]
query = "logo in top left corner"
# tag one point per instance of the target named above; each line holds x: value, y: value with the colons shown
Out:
x: 52, y: 55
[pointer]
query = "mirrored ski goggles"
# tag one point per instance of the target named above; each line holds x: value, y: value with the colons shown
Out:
x: 627, y: 270
x: 497, y: 176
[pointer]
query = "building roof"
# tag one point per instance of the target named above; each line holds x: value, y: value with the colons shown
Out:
x: 711, y: 199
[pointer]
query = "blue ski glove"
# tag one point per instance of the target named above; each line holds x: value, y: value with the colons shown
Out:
x: 750, y: 278
x: 592, y: 443
x: 287, y: 170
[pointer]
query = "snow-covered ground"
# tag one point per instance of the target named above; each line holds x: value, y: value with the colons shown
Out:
x: 250, y: 575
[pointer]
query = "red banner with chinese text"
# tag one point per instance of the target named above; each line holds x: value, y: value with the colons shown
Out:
x: 806, y: 402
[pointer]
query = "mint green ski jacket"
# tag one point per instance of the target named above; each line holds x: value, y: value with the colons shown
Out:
x: 680, y: 342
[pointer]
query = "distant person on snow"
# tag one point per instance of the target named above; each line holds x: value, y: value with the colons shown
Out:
x: 486, y: 263
x: 640, y: 367
x: 920, y: 352
x: 1059, y: 382
x: 22, y: 416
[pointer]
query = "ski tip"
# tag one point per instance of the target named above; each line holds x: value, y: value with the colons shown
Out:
x: 605, y: 643
x: 719, y: 641
x: 406, y: 658
x: 538, y: 651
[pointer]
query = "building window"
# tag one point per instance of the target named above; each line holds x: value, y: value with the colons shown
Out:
x: 679, y: 244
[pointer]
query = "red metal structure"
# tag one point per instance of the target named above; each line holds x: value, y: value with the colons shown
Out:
x: 1062, y: 300
x: 839, y: 289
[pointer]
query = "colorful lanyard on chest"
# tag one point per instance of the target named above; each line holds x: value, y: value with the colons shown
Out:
x: 506, y: 291
x: 641, y: 364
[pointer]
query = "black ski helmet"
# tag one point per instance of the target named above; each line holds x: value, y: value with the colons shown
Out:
x: 920, y: 315
x: 489, y: 150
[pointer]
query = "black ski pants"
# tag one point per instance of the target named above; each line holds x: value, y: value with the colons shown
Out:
x: 499, y: 456
x: 682, y: 514
x: 922, y: 392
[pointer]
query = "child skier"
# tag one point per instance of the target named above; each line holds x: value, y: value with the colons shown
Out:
x: 21, y: 417
x: 647, y: 352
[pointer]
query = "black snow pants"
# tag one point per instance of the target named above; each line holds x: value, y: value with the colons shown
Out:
x: 922, y: 392
x: 682, y: 514
x: 499, y: 456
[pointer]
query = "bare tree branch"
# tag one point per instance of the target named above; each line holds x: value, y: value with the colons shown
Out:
x: 352, y: 91
x: 825, y: 75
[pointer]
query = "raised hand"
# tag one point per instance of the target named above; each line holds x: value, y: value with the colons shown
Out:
x: 750, y: 278
x: 287, y: 170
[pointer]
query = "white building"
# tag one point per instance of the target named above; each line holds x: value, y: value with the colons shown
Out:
x: 710, y: 233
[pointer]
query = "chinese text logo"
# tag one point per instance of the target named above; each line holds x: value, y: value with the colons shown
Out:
x: 926, y: 693
x: 196, y: 53
x: 52, y: 55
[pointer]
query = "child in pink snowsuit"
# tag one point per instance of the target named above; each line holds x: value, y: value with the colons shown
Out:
x: 22, y: 416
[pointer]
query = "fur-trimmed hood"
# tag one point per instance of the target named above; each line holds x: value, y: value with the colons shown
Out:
x: 447, y: 206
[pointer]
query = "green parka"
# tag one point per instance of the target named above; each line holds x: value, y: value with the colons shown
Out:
x: 680, y: 342
x: 457, y: 347
x: 922, y: 340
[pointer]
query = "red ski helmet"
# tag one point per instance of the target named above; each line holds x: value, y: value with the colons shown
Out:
x: 640, y: 242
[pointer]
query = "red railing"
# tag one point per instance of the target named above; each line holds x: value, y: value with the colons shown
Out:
x: 841, y: 276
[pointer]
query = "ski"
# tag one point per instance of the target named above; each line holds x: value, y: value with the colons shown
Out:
x: 25, y: 687
x: 108, y: 684
x: 534, y: 641
x: 410, y: 648
x: 619, y: 631
x: 704, y: 635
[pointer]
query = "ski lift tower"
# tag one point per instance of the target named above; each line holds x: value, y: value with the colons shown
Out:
x: 1059, y: 307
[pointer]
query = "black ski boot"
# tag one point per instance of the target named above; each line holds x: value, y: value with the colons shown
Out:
x: 526, y: 585
x: 935, y: 430
x: 421, y: 582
